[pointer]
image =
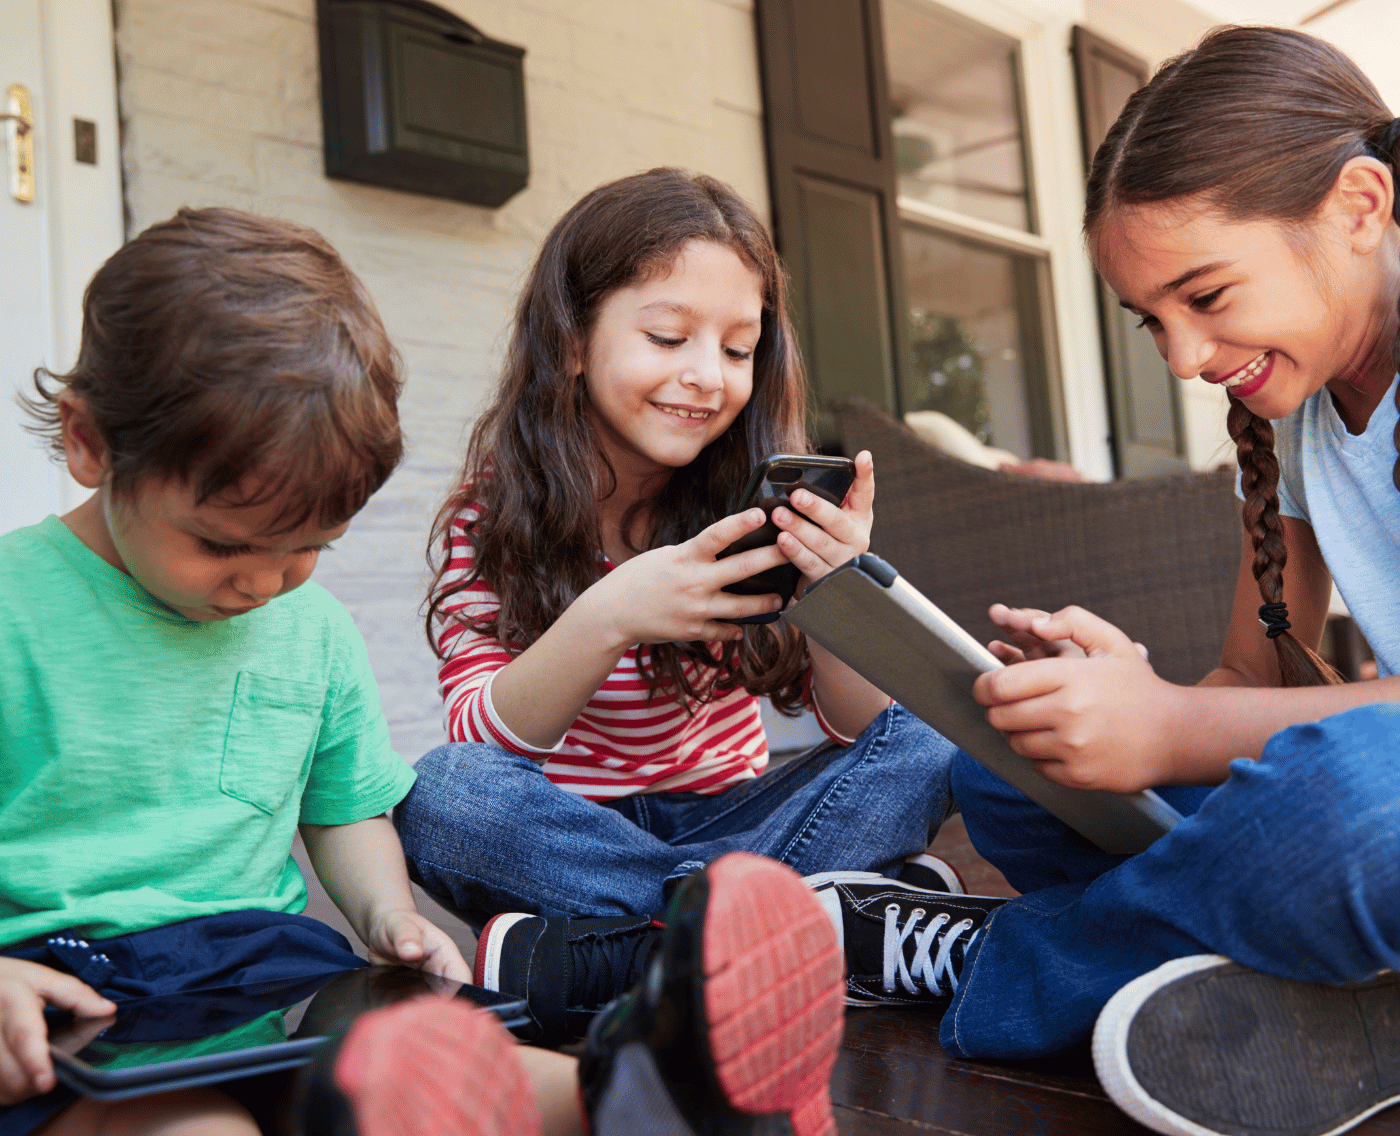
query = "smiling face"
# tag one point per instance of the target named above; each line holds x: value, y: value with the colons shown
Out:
x: 1269, y: 311
x: 669, y: 360
x: 210, y: 561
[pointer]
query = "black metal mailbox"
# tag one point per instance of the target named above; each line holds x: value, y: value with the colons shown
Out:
x: 415, y: 98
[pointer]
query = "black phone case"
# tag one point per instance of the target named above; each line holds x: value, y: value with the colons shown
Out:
x: 828, y: 477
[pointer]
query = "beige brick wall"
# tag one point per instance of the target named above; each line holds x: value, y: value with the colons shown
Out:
x: 220, y: 105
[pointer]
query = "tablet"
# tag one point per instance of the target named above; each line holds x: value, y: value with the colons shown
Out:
x: 154, y: 1045
x: 885, y: 630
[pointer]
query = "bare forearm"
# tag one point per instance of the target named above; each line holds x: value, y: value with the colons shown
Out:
x: 541, y: 691
x: 361, y: 866
x: 1228, y: 676
x: 848, y: 702
x: 1218, y: 725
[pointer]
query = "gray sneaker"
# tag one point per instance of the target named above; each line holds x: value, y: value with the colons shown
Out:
x: 1204, y: 1047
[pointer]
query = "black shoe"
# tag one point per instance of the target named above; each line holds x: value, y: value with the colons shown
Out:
x: 932, y: 873
x: 1204, y: 1046
x: 734, y: 1029
x: 904, y: 945
x: 566, y: 969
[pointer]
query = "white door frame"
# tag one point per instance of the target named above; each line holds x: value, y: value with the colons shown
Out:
x: 62, y: 50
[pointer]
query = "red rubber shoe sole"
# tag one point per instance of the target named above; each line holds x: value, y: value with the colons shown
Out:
x: 775, y: 983
x: 435, y: 1066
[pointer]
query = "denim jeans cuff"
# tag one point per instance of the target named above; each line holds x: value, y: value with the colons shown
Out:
x: 678, y: 873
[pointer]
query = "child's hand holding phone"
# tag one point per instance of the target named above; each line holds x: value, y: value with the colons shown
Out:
x: 818, y: 536
x: 683, y: 592
x: 820, y: 510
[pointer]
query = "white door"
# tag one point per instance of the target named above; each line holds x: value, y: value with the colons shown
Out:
x: 61, y: 51
x: 30, y: 485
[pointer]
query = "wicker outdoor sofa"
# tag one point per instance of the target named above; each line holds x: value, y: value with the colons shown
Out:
x: 1157, y: 557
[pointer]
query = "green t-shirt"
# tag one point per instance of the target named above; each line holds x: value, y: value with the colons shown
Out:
x: 154, y: 768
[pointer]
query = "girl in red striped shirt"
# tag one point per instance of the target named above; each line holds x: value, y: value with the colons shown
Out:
x: 603, y: 707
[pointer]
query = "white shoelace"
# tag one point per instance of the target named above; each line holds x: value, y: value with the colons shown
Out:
x: 928, y: 969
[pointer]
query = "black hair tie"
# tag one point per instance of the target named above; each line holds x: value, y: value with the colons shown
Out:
x: 1384, y: 145
x: 1274, y: 617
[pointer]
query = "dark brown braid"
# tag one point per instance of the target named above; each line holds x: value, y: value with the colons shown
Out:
x: 1254, y: 444
x: 1385, y: 145
x: 1395, y: 473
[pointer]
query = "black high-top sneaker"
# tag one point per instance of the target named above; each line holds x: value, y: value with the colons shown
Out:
x: 904, y: 945
x: 565, y: 969
x: 735, y: 1027
x: 1203, y: 1046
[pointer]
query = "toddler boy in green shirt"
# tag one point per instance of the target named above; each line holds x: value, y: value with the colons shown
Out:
x: 176, y: 700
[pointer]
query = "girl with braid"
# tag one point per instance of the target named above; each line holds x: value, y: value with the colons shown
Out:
x: 1241, y: 971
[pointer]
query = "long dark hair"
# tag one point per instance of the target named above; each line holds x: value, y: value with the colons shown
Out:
x: 534, y: 469
x: 1256, y: 123
x: 219, y: 346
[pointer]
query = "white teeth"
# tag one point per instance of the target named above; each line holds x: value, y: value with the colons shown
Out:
x: 1246, y: 373
x: 679, y: 413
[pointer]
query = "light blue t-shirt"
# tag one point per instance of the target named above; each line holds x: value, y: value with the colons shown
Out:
x: 1342, y: 485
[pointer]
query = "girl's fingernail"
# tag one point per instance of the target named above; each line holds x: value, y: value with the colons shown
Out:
x: 802, y: 497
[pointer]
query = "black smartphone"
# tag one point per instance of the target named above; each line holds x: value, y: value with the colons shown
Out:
x: 773, y: 482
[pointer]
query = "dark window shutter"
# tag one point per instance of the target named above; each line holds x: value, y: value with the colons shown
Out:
x: 832, y: 179
x: 1144, y: 396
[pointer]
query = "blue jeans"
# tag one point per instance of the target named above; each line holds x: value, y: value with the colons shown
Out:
x: 1292, y: 867
x: 485, y: 831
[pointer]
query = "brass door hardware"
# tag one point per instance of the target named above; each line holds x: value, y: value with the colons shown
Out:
x: 19, y: 130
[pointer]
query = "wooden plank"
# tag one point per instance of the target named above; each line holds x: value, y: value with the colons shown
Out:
x: 913, y: 1035
x: 893, y: 1079
x: 892, y: 1065
x: 863, y: 1122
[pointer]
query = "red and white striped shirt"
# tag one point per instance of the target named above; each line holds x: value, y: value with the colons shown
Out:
x: 624, y: 741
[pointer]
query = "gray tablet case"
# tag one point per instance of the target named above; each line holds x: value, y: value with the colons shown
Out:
x: 187, y: 1072
x: 884, y: 629
x: 90, y: 1080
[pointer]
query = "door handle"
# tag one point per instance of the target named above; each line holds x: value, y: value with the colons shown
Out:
x: 19, y: 130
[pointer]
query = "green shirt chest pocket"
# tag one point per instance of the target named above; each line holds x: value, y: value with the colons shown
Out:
x: 272, y: 731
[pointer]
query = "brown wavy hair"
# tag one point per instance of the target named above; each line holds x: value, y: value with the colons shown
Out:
x: 220, y: 345
x: 534, y: 468
x: 1256, y: 123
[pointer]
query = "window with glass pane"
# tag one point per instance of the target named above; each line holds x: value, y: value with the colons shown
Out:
x: 955, y: 98
x: 975, y: 335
